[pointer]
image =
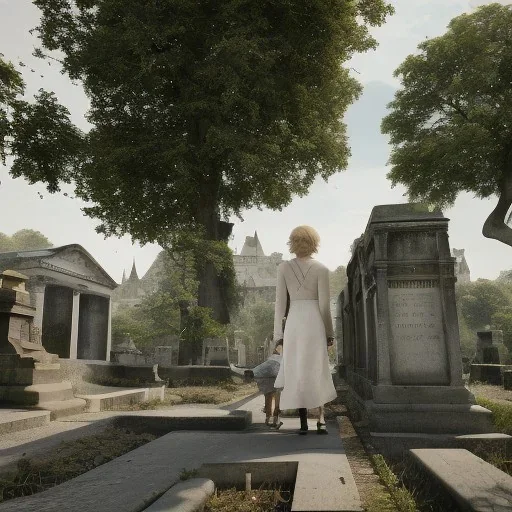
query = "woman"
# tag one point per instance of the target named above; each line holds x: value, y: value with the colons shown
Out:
x: 304, y: 374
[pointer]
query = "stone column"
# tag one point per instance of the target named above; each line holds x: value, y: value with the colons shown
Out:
x: 73, y: 342
x: 37, y: 298
x: 109, y: 331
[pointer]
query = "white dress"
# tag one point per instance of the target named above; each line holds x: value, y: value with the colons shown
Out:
x: 304, y: 375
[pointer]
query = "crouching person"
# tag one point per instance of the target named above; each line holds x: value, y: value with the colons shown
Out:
x: 265, y: 376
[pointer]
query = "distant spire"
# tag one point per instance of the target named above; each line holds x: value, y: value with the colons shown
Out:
x: 124, y: 277
x: 133, y: 273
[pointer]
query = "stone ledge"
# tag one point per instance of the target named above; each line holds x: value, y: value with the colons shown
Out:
x: 159, y: 424
x: 473, y: 483
x: 189, y: 496
x: 12, y: 420
x: 115, y: 399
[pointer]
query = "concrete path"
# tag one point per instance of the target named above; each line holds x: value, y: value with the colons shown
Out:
x: 133, y: 481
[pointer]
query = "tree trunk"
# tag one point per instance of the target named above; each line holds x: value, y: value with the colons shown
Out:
x: 185, y: 354
x: 212, y: 291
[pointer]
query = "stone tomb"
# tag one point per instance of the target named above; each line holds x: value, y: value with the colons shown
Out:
x: 401, y: 347
x: 70, y: 294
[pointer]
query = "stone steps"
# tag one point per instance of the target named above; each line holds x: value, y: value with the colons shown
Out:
x: 35, y: 393
x: 12, y: 420
x: 62, y: 408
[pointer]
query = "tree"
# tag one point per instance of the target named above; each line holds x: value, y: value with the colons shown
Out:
x: 479, y: 301
x: 38, y: 134
x: 451, y: 122
x: 337, y: 281
x: 24, y: 240
x: 256, y: 320
x: 201, y: 109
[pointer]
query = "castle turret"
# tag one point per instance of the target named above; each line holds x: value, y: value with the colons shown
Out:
x: 133, y: 274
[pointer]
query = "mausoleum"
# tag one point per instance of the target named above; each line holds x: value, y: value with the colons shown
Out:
x: 71, y: 295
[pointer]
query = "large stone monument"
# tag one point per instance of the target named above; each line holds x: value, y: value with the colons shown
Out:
x: 29, y: 375
x: 401, y: 348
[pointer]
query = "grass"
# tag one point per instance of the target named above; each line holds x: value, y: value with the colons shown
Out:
x: 501, y: 414
x: 231, y: 500
x: 402, y: 498
x: 68, y: 461
x: 215, y: 394
x: 187, y: 474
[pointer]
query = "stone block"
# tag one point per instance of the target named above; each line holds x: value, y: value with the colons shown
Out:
x: 472, y: 483
x: 491, y: 355
x: 507, y: 379
x: 487, y: 373
x: 429, y: 418
x: 188, y: 496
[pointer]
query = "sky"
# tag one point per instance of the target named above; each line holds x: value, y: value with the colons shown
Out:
x: 339, y: 209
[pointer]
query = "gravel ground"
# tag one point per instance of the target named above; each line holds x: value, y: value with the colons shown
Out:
x: 491, y: 392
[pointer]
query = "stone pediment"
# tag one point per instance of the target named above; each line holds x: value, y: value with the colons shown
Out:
x: 72, y: 260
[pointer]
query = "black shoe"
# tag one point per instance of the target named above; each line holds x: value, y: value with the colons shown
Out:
x: 321, y: 428
x: 302, y: 431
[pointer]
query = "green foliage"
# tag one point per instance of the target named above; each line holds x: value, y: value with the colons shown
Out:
x: 337, y: 281
x: 402, y: 498
x: 501, y: 414
x: 480, y: 300
x: 24, y: 240
x: 467, y: 336
x: 503, y: 320
x: 256, y: 320
x: 451, y: 122
x: 206, y: 106
x: 45, y: 145
x: 200, y: 324
x: 187, y: 474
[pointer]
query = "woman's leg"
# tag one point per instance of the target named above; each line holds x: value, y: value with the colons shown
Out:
x: 303, y: 415
x: 268, y: 407
x: 276, y: 423
x: 277, y: 401
x: 320, y: 426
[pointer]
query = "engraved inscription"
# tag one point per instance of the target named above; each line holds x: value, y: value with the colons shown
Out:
x: 418, y: 344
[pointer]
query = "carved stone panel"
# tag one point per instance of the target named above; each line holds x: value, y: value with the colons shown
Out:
x: 418, y: 354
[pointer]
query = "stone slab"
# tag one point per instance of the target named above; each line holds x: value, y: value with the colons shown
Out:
x: 473, y: 483
x: 324, y: 485
x: 429, y: 418
x: 156, y: 466
x: 114, y: 400
x: 188, y: 496
x: 14, y: 420
x: 184, y: 419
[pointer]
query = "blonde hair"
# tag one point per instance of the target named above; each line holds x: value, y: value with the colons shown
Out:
x: 304, y: 241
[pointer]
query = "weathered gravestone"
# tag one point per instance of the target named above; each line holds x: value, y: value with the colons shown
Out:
x: 29, y: 375
x: 401, y: 345
x: 215, y: 352
x: 488, y: 346
x: 486, y: 366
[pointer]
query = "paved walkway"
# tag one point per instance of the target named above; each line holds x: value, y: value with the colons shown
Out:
x: 131, y: 482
